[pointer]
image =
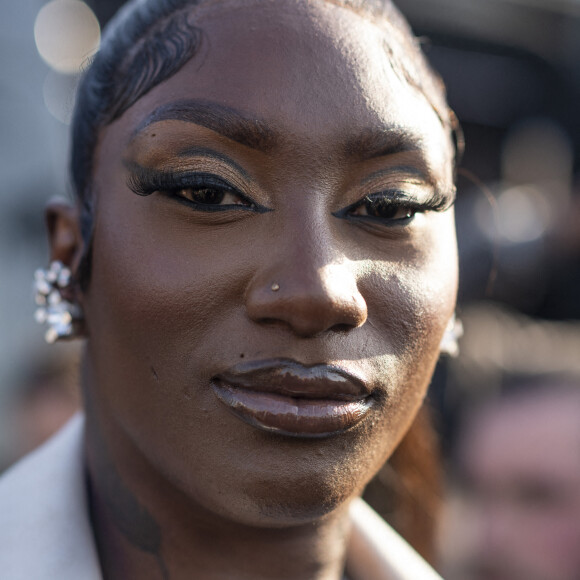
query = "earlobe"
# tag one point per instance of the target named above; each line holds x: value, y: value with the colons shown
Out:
x: 450, y: 342
x: 64, y: 233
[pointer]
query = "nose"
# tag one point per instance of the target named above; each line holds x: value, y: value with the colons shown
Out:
x: 308, y: 297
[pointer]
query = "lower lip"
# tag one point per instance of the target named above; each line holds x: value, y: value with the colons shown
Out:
x: 293, y: 416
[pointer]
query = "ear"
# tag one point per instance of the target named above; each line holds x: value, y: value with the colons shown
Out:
x: 64, y: 233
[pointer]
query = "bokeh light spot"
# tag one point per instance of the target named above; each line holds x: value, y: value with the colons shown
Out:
x: 67, y: 33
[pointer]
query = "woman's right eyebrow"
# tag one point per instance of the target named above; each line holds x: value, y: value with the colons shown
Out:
x: 222, y: 119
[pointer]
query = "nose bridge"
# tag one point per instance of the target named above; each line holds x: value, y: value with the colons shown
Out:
x: 311, y: 260
x: 308, y: 285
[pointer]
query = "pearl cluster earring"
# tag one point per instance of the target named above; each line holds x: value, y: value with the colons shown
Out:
x: 53, y: 309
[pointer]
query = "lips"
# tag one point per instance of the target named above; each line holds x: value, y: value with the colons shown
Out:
x: 292, y: 399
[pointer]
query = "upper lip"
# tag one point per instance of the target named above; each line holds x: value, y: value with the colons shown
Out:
x: 294, y: 379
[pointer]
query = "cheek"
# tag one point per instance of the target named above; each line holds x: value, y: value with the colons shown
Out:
x: 412, y: 302
x: 412, y: 298
x: 432, y: 282
x: 428, y: 290
x: 156, y: 282
x: 151, y: 302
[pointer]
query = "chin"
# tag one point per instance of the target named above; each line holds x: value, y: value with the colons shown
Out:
x: 266, y: 506
x: 300, y: 483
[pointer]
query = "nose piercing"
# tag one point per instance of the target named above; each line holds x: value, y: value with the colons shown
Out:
x: 275, y: 287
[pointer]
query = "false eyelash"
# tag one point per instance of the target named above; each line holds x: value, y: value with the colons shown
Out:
x: 397, y: 198
x: 435, y: 202
x: 143, y: 181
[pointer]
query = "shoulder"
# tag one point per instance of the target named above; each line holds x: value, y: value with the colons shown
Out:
x: 44, y: 528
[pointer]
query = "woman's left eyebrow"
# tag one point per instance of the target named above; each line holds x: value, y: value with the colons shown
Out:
x: 382, y: 142
x: 224, y: 120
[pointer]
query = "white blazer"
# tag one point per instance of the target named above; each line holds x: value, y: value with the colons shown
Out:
x: 45, y: 533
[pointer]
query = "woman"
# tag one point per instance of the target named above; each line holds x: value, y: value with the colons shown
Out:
x: 263, y: 261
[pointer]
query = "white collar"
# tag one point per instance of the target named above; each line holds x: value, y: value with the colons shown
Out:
x: 377, y: 552
x: 45, y: 533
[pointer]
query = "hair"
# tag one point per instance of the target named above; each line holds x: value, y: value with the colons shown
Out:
x: 150, y: 40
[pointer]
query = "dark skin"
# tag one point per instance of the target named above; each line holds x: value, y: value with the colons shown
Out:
x: 179, y: 486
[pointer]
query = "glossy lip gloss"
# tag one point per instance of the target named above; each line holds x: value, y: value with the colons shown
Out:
x: 289, y: 398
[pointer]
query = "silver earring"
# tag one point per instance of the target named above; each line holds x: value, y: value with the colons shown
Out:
x: 60, y: 314
x: 450, y: 342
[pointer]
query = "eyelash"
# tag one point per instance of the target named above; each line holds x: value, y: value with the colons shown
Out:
x: 145, y: 182
x: 394, y: 201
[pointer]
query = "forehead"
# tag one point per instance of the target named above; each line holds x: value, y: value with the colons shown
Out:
x: 315, y: 53
x: 313, y: 69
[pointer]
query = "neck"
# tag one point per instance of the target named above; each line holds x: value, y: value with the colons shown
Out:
x: 145, y: 528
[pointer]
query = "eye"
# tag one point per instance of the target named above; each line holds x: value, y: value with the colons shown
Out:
x: 384, y: 207
x: 206, y: 192
x: 210, y: 195
x: 395, y: 207
x: 200, y: 191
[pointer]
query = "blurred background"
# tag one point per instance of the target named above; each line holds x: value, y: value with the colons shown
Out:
x: 512, y: 69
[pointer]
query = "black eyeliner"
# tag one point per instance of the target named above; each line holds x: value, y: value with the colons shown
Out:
x: 396, y: 198
x: 144, y: 181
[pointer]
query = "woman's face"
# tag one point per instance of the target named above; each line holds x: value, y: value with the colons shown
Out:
x: 264, y: 324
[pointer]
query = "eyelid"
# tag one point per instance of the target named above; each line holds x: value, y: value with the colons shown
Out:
x: 145, y: 181
x: 178, y: 152
x: 404, y: 171
x: 401, y: 182
x: 413, y: 184
x: 212, y: 155
x: 206, y: 161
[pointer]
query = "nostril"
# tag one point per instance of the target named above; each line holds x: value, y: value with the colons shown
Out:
x: 310, y: 320
x: 342, y: 328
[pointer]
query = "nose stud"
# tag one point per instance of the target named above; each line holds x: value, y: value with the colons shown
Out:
x: 275, y: 287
